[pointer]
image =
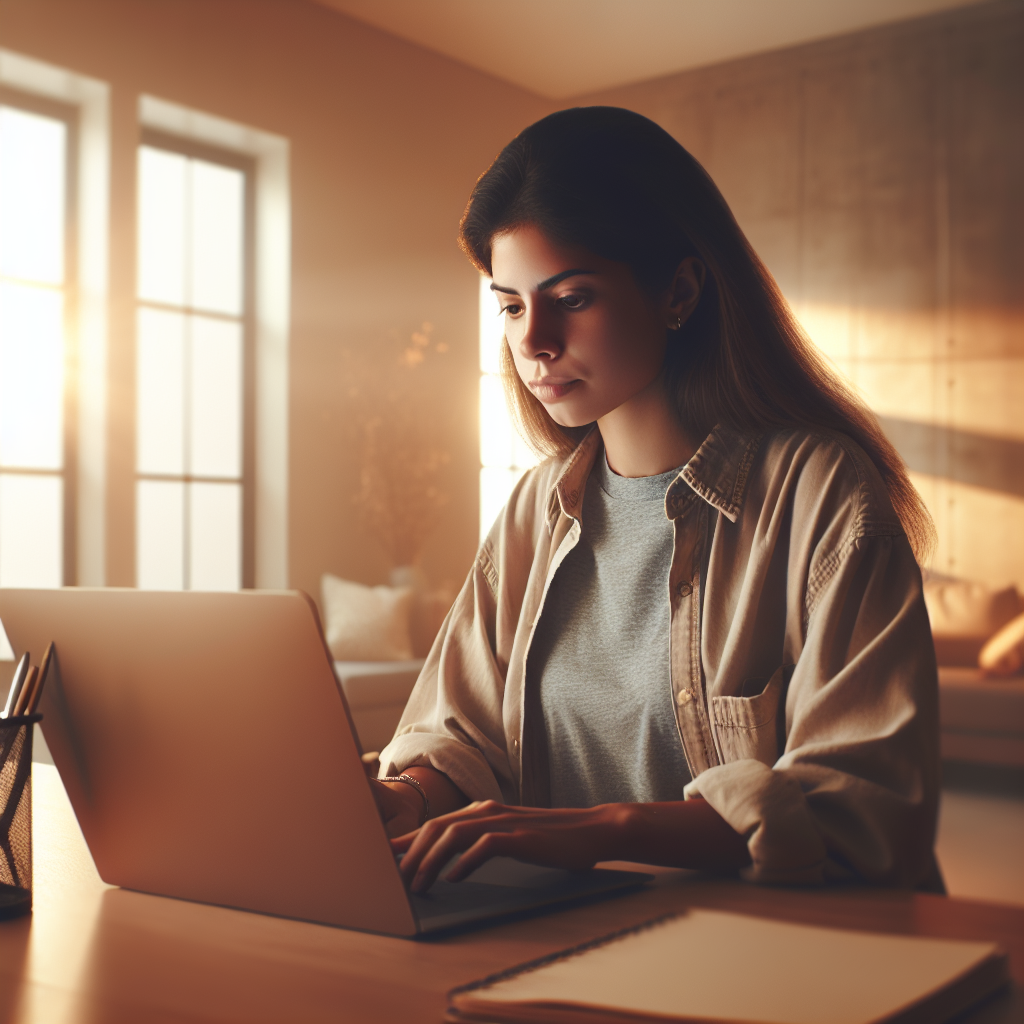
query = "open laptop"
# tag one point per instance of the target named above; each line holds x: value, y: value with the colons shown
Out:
x: 209, y: 754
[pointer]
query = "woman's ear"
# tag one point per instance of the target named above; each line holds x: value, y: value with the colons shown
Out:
x: 684, y: 292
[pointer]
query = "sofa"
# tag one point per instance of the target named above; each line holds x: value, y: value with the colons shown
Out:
x: 376, y: 693
x: 982, y: 719
x: 981, y: 711
x: 981, y: 716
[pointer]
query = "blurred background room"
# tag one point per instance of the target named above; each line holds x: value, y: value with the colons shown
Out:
x: 239, y: 345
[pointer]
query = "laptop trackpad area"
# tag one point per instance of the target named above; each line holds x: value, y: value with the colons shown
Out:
x: 514, y: 874
x: 506, y: 886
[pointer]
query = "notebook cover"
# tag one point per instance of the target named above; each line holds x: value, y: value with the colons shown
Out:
x: 714, y: 966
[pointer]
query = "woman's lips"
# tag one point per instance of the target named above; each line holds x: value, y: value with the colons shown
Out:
x: 549, y: 389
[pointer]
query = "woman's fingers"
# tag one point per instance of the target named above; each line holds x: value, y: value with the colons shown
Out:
x: 417, y: 845
x: 433, y: 848
x: 566, y: 839
x: 493, y: 844
x: 552, y: 845
x: 569, y: 838
x: 556, y: 845
x: 399, y: 844
x: 455, y: 840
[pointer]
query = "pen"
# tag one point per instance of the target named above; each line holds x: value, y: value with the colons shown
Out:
x: 26, y: 692
x: 44, y: 670
x: 17, y: 682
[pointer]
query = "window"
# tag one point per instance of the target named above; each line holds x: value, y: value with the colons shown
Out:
x: 192, y: 362
x: 35, y: 489
x: 504, y: 456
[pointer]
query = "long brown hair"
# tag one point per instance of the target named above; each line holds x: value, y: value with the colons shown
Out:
x: 617, y: 184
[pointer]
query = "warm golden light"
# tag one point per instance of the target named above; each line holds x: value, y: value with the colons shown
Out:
x: 504, y: 456
x: 32, y: 348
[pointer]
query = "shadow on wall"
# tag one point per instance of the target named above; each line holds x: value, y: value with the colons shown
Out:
x: 996, y: 463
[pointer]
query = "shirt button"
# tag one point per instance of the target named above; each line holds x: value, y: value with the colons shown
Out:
x: 684, y: 589
x: 683, y: 697
x: 515, y: 744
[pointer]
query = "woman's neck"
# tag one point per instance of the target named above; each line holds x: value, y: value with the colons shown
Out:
x: 643, y: 437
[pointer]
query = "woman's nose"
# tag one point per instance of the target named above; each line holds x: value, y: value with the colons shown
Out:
x: 538, y: 340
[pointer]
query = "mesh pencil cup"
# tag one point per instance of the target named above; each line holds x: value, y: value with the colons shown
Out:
x: 16, y: 814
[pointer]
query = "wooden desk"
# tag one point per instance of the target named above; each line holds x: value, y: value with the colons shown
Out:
x: 98, y: 954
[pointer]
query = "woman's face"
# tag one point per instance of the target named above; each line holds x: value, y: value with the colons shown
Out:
x: 584, y: 337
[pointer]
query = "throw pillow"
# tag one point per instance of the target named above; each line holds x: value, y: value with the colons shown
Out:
x: 964, y: 615
x: 366, y: 623
x: 1003, y: 655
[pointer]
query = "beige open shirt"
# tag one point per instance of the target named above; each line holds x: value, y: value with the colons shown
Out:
x: 802, y: 669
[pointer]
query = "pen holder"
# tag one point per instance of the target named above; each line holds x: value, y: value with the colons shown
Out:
x: 16, y: 814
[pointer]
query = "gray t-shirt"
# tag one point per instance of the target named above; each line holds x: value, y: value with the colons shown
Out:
x: 600, y: 655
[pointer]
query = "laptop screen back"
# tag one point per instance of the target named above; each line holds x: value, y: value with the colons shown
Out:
x: 208, y: 753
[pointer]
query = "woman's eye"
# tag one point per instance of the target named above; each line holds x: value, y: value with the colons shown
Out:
x: 512, y: 309
x: 572, y: 301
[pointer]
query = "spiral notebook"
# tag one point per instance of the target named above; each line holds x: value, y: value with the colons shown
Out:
x: 714, y: 966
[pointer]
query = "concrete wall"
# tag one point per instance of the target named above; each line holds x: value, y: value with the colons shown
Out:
x: 880, y: 177
x: 386, y: 142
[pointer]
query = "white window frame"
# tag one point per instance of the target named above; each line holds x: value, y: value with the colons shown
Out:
x: 271, y: 262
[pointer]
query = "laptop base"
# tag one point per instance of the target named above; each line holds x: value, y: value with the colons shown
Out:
x: 504, y: 887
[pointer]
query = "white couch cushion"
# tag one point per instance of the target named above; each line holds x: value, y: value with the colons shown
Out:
x: 366, y: 623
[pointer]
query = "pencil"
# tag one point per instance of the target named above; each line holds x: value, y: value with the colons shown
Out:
x: 17, y: 682
x: 26, y: 692
x: 44, y: 671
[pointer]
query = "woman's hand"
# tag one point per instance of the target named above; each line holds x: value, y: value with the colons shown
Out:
x: 560, y: 838
x: 688, y: 834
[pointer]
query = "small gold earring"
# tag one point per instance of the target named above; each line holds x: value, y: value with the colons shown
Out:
x: 677, y: 325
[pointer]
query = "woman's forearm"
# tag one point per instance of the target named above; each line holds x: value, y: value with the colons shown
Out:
x: 688, y: 834
x: 443, y: 794
x: 683, y: 834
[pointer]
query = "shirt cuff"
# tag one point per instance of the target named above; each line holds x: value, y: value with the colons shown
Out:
x: 465, y: 766
x: 769, y: 809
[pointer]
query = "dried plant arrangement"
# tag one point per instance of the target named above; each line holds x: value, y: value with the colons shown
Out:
x: 404, y: 455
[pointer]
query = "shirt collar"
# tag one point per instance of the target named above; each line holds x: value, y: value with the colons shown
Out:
x: 718, y: 473
x: 719, y: 470
x: 567, y: 494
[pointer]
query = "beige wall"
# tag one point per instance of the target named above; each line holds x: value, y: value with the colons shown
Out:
x: 880, y: 177
x: 386, y: 141
x: 878, y: 174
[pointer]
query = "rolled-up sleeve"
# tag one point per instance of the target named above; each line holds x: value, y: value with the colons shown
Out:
x: 854, y: 794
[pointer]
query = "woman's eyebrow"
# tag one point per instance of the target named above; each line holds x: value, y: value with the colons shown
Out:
x: 549, y: 283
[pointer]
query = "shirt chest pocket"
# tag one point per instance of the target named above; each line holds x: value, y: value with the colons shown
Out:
x: 749, y: 728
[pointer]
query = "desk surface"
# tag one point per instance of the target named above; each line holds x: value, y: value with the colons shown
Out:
x: 94, y: 953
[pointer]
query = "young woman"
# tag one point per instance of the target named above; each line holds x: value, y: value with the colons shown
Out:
x: 696, y: 634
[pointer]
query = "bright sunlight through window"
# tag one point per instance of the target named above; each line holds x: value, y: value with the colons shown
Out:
x: 33, y: 154
x: 189, y: 387
x: 504, y: 456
